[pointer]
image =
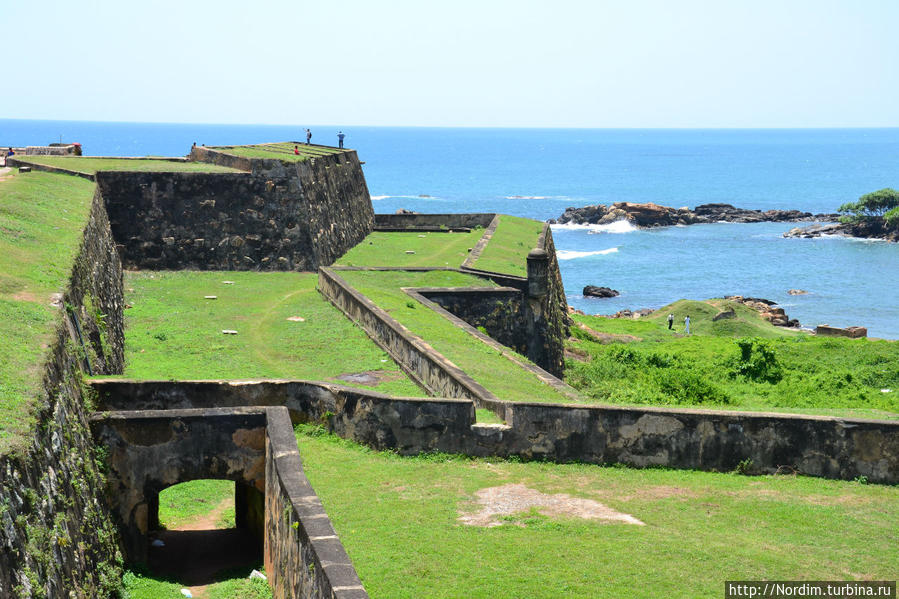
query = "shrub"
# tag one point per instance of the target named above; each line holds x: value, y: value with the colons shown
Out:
x: 757, y: 361
x: 689, y: 387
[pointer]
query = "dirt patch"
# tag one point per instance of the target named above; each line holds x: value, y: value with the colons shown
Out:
x: 496, y: 502
x: 608, y: 337
x: 372, y: 378
x: 574, y: 353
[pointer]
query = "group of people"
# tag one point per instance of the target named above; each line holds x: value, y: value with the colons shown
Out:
x: 340, y: 136
x: 686, y: 323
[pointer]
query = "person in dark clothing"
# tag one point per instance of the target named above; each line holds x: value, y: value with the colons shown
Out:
x: 670, y: 321
x: 340, y: 137
x: 308, y: 136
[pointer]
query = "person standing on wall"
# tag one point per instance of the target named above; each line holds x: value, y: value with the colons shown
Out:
x: 308, y: 137
x: 340, y: 137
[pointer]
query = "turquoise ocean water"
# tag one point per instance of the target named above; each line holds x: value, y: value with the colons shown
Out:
x: 538, y: 173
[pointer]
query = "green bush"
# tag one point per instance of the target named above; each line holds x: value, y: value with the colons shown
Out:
x: 689, y: 387
x: 757, y: 361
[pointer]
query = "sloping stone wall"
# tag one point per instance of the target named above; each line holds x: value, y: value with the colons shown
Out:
x: 57, y: 538
x: 277, y: 216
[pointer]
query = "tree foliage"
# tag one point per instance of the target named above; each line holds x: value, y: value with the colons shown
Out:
x: 877, y: 204
x: 891, y: 218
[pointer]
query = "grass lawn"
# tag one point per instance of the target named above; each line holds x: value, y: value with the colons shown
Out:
x: 172, y: 332
x: 41, y: 219
x: 784, y: 370
x: 482, y: 362
x: 398, y: 518
x: 184, y: 502
x: 142, y: 585
x: 279, y: 151
x: 85, y: 164
x: 507, y: 250
x: 431, y: 249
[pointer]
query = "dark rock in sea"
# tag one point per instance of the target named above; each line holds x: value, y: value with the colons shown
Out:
x: 797, y: 292
x: 654, y: 215
x: 873, y: 229
x: 404, y: 211
x: 594, y: 291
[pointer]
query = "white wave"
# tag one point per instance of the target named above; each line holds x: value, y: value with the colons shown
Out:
x: 528, y: 197
x: 407, y: 197
x: 572, y: 254
x: 619, y: 226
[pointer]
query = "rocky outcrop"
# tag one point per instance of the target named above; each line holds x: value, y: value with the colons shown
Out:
x: 594, y: 291
x: 655, y: 215
x: 866, y: 230
x: 767, y: 309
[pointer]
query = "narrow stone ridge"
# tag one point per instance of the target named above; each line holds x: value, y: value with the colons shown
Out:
x: 866, y: 230
x: 654, y: 215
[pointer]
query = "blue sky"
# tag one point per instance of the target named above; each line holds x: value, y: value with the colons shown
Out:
x: 634, y: 63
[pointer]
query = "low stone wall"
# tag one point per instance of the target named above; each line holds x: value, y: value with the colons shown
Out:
x: 12, y: 161
x: 304, y: 558
x: 676, y: 438
x: 58, y: 538
x: 419, y: 221
x: 424, y: 365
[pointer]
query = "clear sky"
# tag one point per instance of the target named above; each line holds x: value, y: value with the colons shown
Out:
x: 521, y: 63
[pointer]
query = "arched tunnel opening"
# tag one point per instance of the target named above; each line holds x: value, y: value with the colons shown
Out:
x: 204, y: 531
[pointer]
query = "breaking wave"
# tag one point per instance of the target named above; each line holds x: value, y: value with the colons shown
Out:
x: 407, y: 197
x: 573, y: 254
x: 619, y: 226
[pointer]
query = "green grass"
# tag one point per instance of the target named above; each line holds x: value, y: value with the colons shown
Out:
x: 507, y: 250
x: 84, y: 164
x: 280, y: 151
x: 398, y: 519
x: 41, y: 219
x: 431, y: 249
x: 806, y: 374
x: 185, y: 502
x: 142, y: 585
x: 172, y: 332
x: 482, y: 362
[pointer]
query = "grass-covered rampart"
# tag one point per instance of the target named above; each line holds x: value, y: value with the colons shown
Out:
x: 279, y: 151
x: 398, y: 518
x: 425, y: 249
x: 507, y: 250
x: 485, y: 364
x: 173, y: 332
x: 42, y: 216
x: 88, y: 165
x: 738, y: 363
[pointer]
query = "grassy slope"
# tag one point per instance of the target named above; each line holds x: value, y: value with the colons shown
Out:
x: 397, y: 517
x: 431, y: 249
x: 41, y: 219
x: 279, y: 151
x: 480, y: 361
x: 827, y: 376
x: 183, y: 503
x: 172, y: 332
x: 92, y: 165
x: 508, y: 248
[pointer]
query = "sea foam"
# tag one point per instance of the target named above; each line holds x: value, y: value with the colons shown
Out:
x: 619, y: 226
x: 573, y: 254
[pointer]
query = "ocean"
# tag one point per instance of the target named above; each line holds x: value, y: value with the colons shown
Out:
x: 539, y: 172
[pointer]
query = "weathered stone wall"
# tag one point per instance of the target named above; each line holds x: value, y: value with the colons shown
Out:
x: 418, y: 221
x: 548, y: 315
x: 675, y: 438
x: 428, y: 368
x: 498, y: 311
x: 279, y: 216
x: 151, y: 450
x: 57, y: 538
x: 304, y: 558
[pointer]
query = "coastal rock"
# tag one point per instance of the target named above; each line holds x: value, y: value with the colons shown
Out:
x: 874, y: 229
x: 594, y: 291
x: 404, y: 211
x: 633, y: 314
x: 767, y: 309
x: 655, y: 215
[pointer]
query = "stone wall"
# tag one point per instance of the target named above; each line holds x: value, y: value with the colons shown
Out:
x: 419, y: 221
x: 498, y: 311
x: 58, y: 539
x: 424, y: 365
x: 674, y: 438
x: 278, y: 216
x: 547, y: 314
